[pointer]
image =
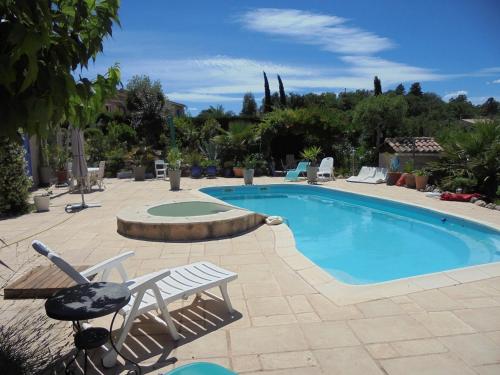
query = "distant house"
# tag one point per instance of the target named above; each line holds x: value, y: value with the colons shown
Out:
x: 420, y: 150
x: 474, y: 121
x: 119, y: 104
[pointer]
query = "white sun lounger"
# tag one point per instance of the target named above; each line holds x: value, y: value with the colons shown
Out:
x: 152, y: 291
x: 325, y: 171
x: 370, y: 175
x: 364, y: 174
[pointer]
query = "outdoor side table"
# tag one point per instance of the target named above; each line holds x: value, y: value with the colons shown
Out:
x: 84, y: 302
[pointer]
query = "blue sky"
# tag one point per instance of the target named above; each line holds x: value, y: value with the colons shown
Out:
x: 212, y: 52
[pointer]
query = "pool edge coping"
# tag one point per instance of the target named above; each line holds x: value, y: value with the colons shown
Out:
x: 348, y: 294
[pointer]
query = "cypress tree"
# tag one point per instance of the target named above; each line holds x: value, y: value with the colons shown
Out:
x: 415, y: 89
x: 267, y: 95
x: 400, y: 89
x: 282, y: 92
x: 377, y: 86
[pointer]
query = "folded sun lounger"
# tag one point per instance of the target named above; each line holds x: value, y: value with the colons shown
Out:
x: 152, y: 291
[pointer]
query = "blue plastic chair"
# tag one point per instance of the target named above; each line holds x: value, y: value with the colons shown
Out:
x: 201, y: 368
x: 294, y: 175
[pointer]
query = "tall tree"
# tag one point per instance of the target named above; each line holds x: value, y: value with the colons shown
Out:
x: 249, y: 107
x: 45, y: 45
x: 267, y: 96
x: 377, y: 86
x: 415, y: 89
x: 490, y: 107
x: 145, y: 101
x: 282, y: 92
x: 400, y: 89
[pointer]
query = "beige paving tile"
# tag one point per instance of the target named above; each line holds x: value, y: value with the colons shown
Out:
x: 211, y: 345
x: 434, y: 364
x: 241, y: 259
x: 308, y: 317
x: 268, y: 306
x: 347, y: 361
x: 246, y: 363
x: 327, y: 310
x: 276, y: 361
x: 419, y: 347
x: 271, y: 339
x: 488, y: 369
x: 262, y: 289
x: 443, y: 323
x: 381, y: 351
x: 389, y: 328
x: 273, y: 320
x: 482, y: 319
x: 299, y: 304
x: 292, y: 371
x: 383, y: 307
x: 475, y: 349
x: 474, y: 303
x: 329, y: 335
x: 495, y: 336
x: 434, y: 300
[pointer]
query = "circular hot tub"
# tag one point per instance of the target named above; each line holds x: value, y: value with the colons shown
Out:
x: 185, y: 221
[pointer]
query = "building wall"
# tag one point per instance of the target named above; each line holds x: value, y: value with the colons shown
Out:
x: 384, y: 159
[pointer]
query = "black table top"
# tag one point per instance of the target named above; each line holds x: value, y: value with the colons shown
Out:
x: 87, y: 301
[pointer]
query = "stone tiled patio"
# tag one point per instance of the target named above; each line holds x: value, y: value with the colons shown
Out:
x: 286, y: 323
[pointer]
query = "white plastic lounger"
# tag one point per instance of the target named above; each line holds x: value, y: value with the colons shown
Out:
x: 364, y: 173
x: 152, y: 291
x: 325, y: 171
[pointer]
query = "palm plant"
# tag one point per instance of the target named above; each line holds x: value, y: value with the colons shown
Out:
x: 238, y: 139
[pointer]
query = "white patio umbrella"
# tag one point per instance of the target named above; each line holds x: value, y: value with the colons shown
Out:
x: 79, y: 167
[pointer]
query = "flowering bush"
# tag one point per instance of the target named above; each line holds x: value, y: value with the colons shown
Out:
x: 14, y: 184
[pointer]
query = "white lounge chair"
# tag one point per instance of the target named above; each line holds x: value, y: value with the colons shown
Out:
x: 152, y: 291
x: 370, y: 175
x: 325, y: 171
x: 364, y: 173
x: 160, y: 169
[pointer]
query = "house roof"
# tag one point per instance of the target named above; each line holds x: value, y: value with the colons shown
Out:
x: 422, y: 144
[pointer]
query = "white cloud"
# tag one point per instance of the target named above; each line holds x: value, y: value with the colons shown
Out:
x: 330, y: 32
x: 451, y: 95
x: 496, y: 81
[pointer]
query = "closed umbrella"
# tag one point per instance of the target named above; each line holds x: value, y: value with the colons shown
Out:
x: 79, y: 167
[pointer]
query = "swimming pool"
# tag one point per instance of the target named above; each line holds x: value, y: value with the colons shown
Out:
x: 363, y: 240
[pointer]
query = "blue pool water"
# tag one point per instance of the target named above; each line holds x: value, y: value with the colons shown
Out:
x: 362, y: 240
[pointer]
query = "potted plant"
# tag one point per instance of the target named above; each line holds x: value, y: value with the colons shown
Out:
x: 194, y: 160
x: 249, y: 169
x: 228, y: 168
x: 311, y: 154
x: 409, y: 176
x: 211, y: 168
x: 421, y: 179
x: 61, y: 158
x: 238, y: 169
x: 174, y: 159
x: 140, y: 156
x: 393, y: 175
x: 42, y: 200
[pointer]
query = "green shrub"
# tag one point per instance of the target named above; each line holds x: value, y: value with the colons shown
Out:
x: 14, y: 184
x: 115, y: 161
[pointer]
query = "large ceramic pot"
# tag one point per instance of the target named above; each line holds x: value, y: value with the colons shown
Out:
x: 228, y: 172
x: 174, y: 176
x: 312, y: 174
x: 211, y: 171
x: 248, y: 176
x: 196, y: 171
x: 62, y: 176
x: 392, y: 177
x: 410, y: 180
x: 421, y: 182
x: 238, y: 171
x: 42, y: 202
x: 140, y: 173
x: 45, y: 175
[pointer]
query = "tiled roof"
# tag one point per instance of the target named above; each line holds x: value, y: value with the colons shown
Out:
x: 422, y: 144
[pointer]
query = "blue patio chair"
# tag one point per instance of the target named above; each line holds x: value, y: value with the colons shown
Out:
x: 201, y: 368
x: 294, y: 175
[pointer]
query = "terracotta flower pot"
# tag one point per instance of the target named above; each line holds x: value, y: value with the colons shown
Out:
x: 410, y: 180
x: 421, y: 182
x: 238, y: 171
x: 392, y: 177
x: 62, y: 176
